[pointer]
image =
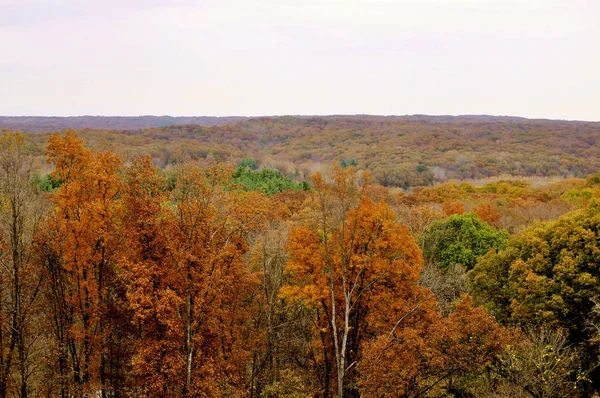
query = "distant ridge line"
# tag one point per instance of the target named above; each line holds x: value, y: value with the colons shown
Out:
x: 42, y: 124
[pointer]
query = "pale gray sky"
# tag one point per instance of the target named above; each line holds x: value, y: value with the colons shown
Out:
x: 532, y: 58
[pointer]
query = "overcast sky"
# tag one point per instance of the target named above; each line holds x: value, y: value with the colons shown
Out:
x: 532, y: 58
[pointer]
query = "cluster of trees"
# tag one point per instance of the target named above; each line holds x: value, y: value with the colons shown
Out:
x: 268, y: 181
x: 119, y: 279
x: 511, y: 205
x: 397, y: 151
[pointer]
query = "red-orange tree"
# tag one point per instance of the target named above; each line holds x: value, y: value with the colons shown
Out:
x: 187, y: 282
x: 147, y: 272
x: 356, y: 267
x: 427, y: 355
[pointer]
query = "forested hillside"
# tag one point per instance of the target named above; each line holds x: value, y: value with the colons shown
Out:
x: 398, y: 151
x: 40, y: 124
x: 211, y: 279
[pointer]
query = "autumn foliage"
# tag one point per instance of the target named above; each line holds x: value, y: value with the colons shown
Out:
x: 123, y: 279
x: 431, y: 354
x: 355, y: 266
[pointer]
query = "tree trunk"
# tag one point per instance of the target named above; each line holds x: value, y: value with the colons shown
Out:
x: 189, y: 344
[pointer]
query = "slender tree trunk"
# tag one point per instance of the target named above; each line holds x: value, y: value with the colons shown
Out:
x: 336, y: 345
x: 62, y: 369
x: 22, y: 367
x: 189, y: 344
x: 101, y: 325
x: 344, y: 349
x: 104, y: 390
x: 3, y: 364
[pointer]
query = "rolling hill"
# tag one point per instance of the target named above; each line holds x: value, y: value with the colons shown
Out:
x: 398, y: 151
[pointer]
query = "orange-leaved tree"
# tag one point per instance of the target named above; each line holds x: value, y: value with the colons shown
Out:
x: 356, y: 267
x: 188, y: 286
x: 147, y: 271
x: 429, y: 355
x: 208, y: 242
x: 78, y: 248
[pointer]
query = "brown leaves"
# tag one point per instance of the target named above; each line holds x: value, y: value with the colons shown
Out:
x: 80, y: 247
x: 351, y: 261
x: 488, y: 213
x: 187, y: 283
x: 453, y: 207
x: 185, y: 288
x: 429, y: 353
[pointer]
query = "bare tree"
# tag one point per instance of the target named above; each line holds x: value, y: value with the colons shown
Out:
x: 543, y: 365
x: 20, y: 212
x: 448, y: 286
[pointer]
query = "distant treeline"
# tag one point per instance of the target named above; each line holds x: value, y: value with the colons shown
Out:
x: 397, y: 151
x: 44, y: 124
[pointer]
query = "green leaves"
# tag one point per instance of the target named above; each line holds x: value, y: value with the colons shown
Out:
x: 460, y: 239
x: 46, y: 183
x: 549, y: 274
x: 267, y: 181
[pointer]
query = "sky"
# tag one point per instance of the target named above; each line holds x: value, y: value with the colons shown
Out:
x: 530, y: 58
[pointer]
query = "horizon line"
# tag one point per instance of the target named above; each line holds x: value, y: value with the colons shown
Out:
x: 305, y: 115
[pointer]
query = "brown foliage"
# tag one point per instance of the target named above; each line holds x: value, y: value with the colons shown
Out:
x: 79, y: 246
x: 355, y: 266
x: 487, y: 212
x: 453, y: 207
x: 392, y: 148
x: 431, y: 354
x: 187, y: 284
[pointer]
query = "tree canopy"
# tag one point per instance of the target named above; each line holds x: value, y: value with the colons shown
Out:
x: 460, y: 239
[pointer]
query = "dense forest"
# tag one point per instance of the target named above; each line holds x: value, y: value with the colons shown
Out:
x: 204, y: 263
x: 40, y: 124
x: 398, y: 151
